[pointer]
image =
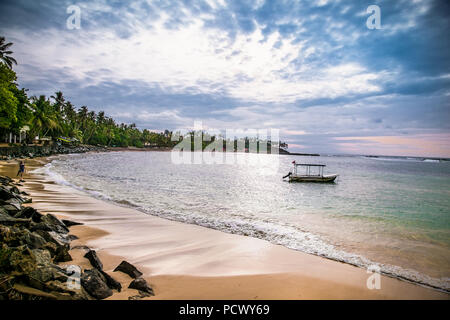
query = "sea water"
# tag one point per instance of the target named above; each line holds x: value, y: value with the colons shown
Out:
x: 389, y: 212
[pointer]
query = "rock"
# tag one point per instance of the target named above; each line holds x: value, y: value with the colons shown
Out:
x: 28, y: 293
x: 7, y: 220
x: 111, y: 282
x: 41, y: 257
x: 51, y: 236
x: 3, y: 211
x: 141, y: 295
x: 69, y: 223
x: 63, y: 292
x: 82, y: 247
x: 21, y: 260
x: 60, y: 238
x: 129, y: 269
x: 54, y: 223
x: 95, y: 284
x: 29, y: 213
x: 51, y: 247
x: 44, y: 273
x: 10, y: 236
x: 13, y: 190
x: 5, y: 233
x: 40, y: 226
x: 72, y: 237
x: 62, y: 254
x: 46, y: 235
x: 141, y: 285
x: 5, y: 254
x: 27, y: 200
x: 15, y: 203
x: 91, y: 255
x: 11, y: 209
x: 5, y: 194
x: 33, y: 240
x: 5, y: 180
x: 6, y: 284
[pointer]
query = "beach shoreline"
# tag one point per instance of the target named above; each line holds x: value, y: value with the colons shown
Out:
x: 183, y: 261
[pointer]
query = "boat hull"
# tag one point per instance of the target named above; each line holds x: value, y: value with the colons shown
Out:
x: 323, y: 179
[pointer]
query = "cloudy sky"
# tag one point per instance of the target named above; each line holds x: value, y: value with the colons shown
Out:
x: 309, y: 68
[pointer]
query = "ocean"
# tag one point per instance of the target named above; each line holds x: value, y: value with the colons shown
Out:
x: 389, y: 212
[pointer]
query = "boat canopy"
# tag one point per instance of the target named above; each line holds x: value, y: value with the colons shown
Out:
x: 308, y: 169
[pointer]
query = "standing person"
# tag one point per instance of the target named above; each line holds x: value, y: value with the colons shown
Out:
x: 21, y: 169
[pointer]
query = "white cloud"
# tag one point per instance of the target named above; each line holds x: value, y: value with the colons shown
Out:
x: 194, y: 59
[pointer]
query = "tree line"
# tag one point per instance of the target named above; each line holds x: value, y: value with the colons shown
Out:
x: 56, y: 117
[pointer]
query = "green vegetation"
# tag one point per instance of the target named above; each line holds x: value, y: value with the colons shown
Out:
x: 56, y: 117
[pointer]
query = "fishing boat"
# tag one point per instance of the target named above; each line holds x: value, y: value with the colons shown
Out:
x: 309, y: 174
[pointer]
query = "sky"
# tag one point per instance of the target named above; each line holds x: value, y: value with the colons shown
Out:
x: 312, y: 69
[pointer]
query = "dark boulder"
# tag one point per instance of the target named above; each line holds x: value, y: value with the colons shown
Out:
x: 111, y: 282
x: 54, y: 241
x: 29, y: 213
x: 69, y: 223
x: 26, y: 200
x: 62, y: 254
x: 16, y: 235
x: 11, y: 209
x: 6, y: 219
x: 54, y: 223
x: 59, y: 238
x: 95, y: 284
x: 3, y: 211
x: 5, y: 194
x: 140, y: 296
x: 32, y: 240
x: 129, y: 269
x: 51, y: 247
x: 5, y: 180
x: 15, y: 203
x: 141, y: 285
x: 13, y: 190
x: 41, y: 226
x: 91, y: 255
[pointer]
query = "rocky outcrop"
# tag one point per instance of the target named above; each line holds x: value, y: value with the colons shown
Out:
x: 141, y: 285
x: 31, y: 246
x: 91, y: 255
x: 7, y: 153
x: 129, y: 269
x: 95, y: 283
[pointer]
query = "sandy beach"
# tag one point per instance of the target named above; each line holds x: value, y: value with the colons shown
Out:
x: 184, y: 261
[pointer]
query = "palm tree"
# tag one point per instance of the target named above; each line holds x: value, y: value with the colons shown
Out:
x: 5, y: 53
x: 43, y: 119
x: 59, y: 102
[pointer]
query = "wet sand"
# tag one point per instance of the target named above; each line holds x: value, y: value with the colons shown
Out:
x: 183, y: 261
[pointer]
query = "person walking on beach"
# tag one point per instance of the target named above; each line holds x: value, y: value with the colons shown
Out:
x: 21, y: 169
